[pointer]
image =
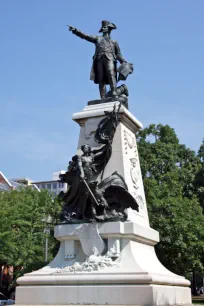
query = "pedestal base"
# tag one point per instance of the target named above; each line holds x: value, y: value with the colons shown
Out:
x: 112, y: 263
x: 126, y: 272
x: 148, y: 295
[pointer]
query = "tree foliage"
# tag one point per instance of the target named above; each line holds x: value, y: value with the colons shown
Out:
x: 22, y: 236
x: 199, y: 178
x: 172, y: 180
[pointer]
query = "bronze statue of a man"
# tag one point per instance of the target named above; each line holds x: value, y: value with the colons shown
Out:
x: 105, y: 58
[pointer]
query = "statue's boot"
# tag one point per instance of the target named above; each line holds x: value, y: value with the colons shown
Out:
x: 102, y: 90
x: 112, y: 82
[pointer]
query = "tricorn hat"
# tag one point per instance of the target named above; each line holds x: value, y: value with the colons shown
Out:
x: 108, y: 24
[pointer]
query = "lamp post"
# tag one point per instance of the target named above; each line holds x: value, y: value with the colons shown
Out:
x: 46, y: 232
x: 47, y: 220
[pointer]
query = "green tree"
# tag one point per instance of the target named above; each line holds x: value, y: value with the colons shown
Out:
x: 22, y: 234
x: 169, y: 170
x: 199, y: 178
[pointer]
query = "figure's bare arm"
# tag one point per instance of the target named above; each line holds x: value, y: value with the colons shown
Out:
x: 81, y: 167
x: 99, y: 152
x: 82, y: 35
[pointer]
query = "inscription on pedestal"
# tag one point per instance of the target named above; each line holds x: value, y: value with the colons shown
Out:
x: 69, y: 247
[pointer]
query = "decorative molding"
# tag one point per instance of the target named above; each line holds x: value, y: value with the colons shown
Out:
x: 113, y: 247
x: 134, y: 173
x: 140, y: 201
x: 92, y: 263
x: 130, y: 143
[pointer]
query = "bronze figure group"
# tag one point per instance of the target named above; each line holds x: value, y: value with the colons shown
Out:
x: 90, y: 197
x: 107, y: 53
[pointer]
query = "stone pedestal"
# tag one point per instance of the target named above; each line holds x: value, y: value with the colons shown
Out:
x: 124, y: 159
x: 110, y: 263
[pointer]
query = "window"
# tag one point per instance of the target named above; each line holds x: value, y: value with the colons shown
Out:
x: 48, y: 186
x: 54, y: 185
x: 42, y: 186
x: 61, y: 185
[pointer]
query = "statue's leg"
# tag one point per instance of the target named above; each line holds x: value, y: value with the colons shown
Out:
x: 112, y: 81
x: 100, y: 76
x: 102, y: 90
x: 110, y: 70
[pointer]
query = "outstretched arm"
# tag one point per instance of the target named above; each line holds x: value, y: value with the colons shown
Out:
x: 82, y: 35
x: 99, y: 152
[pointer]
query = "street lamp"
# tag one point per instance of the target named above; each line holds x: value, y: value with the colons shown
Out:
x: 47, y: 220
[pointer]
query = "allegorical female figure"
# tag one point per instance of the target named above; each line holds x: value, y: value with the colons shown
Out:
x: 82, y: 196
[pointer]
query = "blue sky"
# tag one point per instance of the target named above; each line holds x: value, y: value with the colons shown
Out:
x: 44, y: 73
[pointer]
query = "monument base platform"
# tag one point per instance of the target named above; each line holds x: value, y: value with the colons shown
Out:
x: 125, y: 271
x: 109, y: 263
x: 148, y: 295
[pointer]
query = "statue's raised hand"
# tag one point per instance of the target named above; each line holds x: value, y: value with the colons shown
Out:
x: 71, y: 28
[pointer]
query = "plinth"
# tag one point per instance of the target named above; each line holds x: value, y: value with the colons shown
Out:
x: 110, y: 263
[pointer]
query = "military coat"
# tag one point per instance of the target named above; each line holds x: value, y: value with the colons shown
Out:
x: 114, y: 55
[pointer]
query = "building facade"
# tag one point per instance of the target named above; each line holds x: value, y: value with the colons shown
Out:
x: 53, y: 186
x: 11, y: 184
